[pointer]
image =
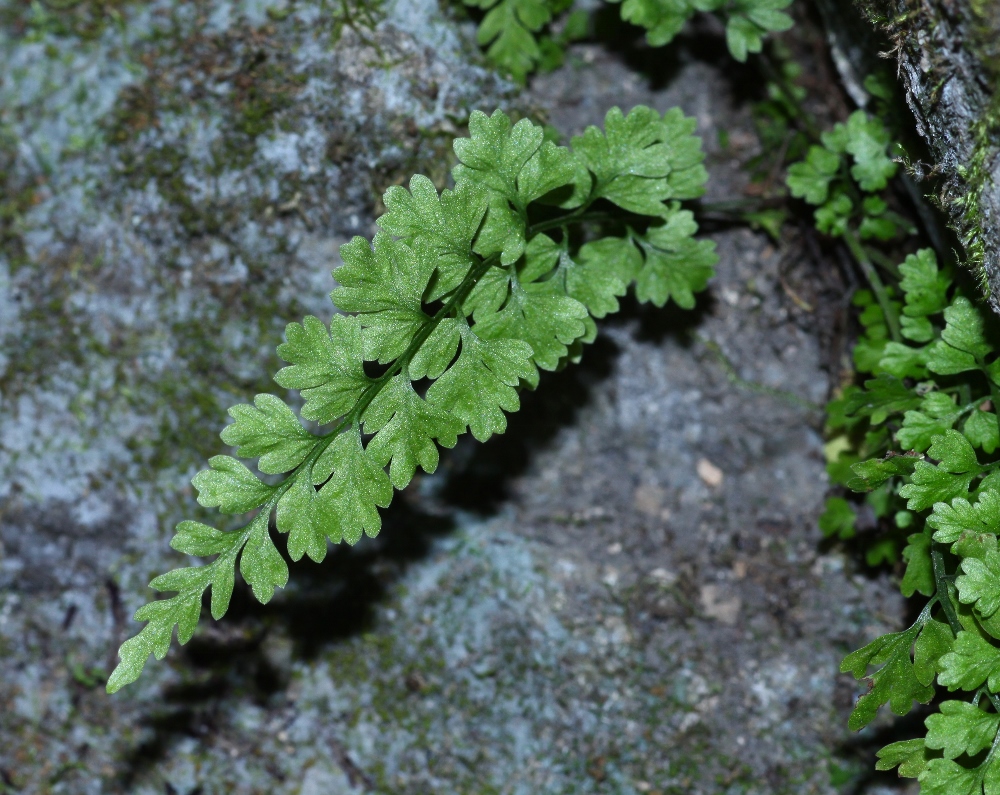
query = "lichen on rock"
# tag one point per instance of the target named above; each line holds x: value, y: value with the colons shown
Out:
x: 175, y: 179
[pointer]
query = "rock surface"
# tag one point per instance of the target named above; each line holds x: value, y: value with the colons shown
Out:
x: 626, y: 593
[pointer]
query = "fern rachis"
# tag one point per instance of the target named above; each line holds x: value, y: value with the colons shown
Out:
x: 472, y: 289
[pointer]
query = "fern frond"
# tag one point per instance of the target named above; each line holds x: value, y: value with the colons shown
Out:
x: 511, y: 30
x: 473, y: 289
x: 747, y: 21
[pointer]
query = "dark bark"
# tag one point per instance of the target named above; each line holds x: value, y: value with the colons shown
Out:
x: 947, y: 54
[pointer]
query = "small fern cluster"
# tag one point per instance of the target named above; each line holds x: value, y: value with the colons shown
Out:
x: 844, y: 192
x: 919, y: 439
x: 519, y: 38
x: 929, y: 416
x: 457, y: 303
x: 747, y: 21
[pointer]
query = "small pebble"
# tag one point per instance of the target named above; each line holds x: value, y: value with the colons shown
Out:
x: 710, y: 474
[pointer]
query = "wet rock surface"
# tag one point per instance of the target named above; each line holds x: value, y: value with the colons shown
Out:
x: 626, y: 593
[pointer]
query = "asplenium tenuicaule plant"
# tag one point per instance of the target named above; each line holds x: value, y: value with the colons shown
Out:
x: 461, y: 298
x: 519, y: 35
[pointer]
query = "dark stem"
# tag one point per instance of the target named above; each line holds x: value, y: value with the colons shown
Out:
x: 476, y: 272
x: 793, y: 105
x: 944, y: 595
x: 883, y: 262
x: 861, y: 257
x: 994, y: 398
x: 574, y: 217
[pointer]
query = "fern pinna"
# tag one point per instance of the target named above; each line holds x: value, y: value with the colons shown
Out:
x: 460, y: 299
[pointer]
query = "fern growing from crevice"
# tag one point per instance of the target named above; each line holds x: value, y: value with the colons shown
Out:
x: 919, y: 438
x: 929, y: 413
x: 455, y: 305
x: 519, y: 38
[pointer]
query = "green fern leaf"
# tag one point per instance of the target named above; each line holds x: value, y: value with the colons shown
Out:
x: 869, y: 475
x: 833, y: 216
x: 838, y: 519
x: 963, y: 345
x: 982, y: 431
x: 384, y: 282
x: 894, y: 683
x: 973, y: 661
x: 867, y: 142
x: 951, y: 521
x: 947, y: 777
x: 517, y: 166
x: 155, y: 637
x: 936, y: 416
x: 882, y: 396
x: 326, y: 367
x: 640, y: 161
x: 663, y: 19
x: 909, y: 755
x: 979, y: 583
x: 924, y: 285
x: 261, y: 565
x: 906, y: 361
x: 602, y: 273
x: 930, y: 484
x: 270, y: 431
x: 406, y: 428
x: 438, y: 351
x: 957, y: 465
x: 750, y: 21
x: 184, y: 609
x: 356, y: 488
x: 546, y: 319
x: 810, y: 179
x: 480, y: 385
x: 508, y: 28
x: 439, y: 227
x: 919, y: 575
x: 675, y: 266
x: 195, y: 538
x: 935, y: 641
x: 230, y: 486
x: 301, y: 515
x: 514, y: 161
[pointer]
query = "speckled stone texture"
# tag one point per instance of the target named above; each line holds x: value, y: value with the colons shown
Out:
x: 626, y: 593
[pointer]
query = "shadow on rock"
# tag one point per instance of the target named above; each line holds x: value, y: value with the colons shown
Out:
x: 480, y: 475
x: 703, y: 39
x: 859, y: 751
x: 654, y: 324
x: 240, y: 659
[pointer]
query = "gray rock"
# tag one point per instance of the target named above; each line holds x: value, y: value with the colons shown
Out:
x: 623, y: 594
